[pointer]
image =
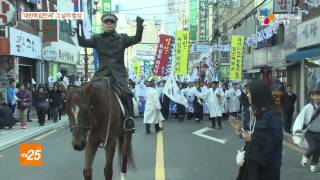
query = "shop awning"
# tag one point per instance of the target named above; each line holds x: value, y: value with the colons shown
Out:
x: 254, y: 70
x: 301, y: 55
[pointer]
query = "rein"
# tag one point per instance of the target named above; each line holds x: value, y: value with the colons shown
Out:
x: 109, y: 117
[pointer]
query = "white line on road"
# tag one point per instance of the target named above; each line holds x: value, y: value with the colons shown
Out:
x: 45, y: 135
x: 203, y: 130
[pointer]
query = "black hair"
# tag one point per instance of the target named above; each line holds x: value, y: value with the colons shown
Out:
x: 11, y: 80
x: 261, y: 97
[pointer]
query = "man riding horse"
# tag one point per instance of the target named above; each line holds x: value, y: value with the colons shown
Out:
x: 111, y: 47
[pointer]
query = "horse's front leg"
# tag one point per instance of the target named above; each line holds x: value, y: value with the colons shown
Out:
x: 109, y: 150
x: 90, y: 153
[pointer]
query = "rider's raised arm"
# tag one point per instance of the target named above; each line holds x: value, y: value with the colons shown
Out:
x: 83, y: 41
x: 132, y: 40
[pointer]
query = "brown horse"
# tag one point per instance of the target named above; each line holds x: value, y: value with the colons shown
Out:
x: 95, y: 117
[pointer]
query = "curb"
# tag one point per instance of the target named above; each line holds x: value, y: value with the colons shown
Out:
x: 32, y: 133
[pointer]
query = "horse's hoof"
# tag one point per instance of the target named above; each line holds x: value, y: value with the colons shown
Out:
x: 87, y: 174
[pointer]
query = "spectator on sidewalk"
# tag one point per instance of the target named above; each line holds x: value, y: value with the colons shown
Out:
x: 289, y: 99
x: 62, y: 103
x: 55, y: 102
x: 6, y: 118
x: 263, y: 142
x: 30, y: 91
x: 24, y: 101
x: 309, y: 120
x: 49, y: 91
x: 11, y: 94
x: 41, y: 104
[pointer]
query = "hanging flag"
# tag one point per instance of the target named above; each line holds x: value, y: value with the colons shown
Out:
x: 172, y: 90
x: 181, y: 52
x: 164, y: 51
x: 236, y: 58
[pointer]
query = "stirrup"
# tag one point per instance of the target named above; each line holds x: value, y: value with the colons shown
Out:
x: 134, y: 124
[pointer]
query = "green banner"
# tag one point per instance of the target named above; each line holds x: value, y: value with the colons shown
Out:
x: 193, y: 10
x: 105, y: 6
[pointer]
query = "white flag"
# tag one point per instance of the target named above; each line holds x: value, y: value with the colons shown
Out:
x: 194, y: 76
x: 172, y: 90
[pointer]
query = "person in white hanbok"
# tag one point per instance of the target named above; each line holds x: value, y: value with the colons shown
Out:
x: 188, y: 93
x: 152, y: 113
x: 233, y: 96
x: 214, y: 95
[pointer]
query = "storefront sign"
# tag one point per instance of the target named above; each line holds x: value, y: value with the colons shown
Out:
x: 49, y: 53
x: 193, y: 21
x: 7, y: 12
x: 203, y: 4
x: 24, y: 44
x: 282, y: 6
x: 236, y: 58
x: 308, y: 33
x: 162, y: 63
x: 181, y: 52
x: 66, y: 53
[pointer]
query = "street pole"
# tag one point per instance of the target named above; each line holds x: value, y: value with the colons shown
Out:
x: 86, y: 64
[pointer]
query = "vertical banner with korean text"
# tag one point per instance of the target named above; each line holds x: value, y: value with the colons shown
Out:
x: 236, y: 58
x: 181, y: 52
x: 202, y: 29
x: 164, y: 51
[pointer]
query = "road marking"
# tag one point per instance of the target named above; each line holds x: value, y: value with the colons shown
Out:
x: 203, y: 130
x: 160, y: 171
x: 45, y: 135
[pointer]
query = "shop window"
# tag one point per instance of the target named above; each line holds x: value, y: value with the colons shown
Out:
x: 23, y: 6
x: 65, y: 31
x: 2, y: 31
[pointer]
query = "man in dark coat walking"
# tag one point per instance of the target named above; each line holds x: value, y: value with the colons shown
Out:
x: 110, y: 47
x: 289, y: 99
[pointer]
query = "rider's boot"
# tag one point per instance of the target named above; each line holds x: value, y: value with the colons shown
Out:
x: 87, y: 174
x: 129, y: 122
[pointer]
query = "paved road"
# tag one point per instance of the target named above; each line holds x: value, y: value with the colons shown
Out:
x: 186, y: 156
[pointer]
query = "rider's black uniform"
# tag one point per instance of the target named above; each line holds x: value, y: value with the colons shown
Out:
x: 110, y: 48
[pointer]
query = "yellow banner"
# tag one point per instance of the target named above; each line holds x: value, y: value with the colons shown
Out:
x: 236, y: 58
x: 181, y: 52
x: 137, y: 70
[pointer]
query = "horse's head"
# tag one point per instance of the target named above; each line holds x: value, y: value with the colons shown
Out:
x: 79, y: 118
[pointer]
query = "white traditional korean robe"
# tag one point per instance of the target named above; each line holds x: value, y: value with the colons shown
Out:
x: 152, y: 113
x: 215, y: 106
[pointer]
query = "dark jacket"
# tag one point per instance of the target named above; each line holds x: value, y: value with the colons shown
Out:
x: 6, y: 118
x: 40, y: 98
x: 110, y: 48
x: 55, y: 99
x: 264, y: 153
x: 288, y: 102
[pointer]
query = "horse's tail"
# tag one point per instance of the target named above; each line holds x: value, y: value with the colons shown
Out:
x: 126, y: 152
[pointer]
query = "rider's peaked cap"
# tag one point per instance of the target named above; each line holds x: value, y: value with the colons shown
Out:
x: 109, y: 16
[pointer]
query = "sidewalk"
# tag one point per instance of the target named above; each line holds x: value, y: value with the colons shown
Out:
x: 16, y: 135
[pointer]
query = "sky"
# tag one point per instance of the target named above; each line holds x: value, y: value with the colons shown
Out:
x: 144, y: 8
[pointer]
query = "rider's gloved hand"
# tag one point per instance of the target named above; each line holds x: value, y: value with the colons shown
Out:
x: 139, y: 20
